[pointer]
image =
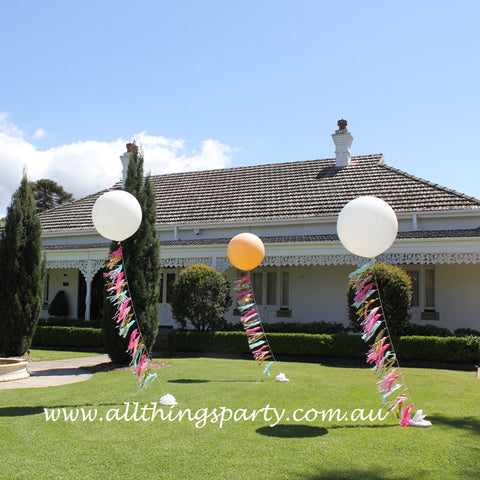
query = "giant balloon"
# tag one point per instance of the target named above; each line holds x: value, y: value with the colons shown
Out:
x: 245, y: 251
x: 367, y: 226
x: 116, y: 215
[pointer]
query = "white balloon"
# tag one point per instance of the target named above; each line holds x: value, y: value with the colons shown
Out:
x: 116, y: 215
x: 367, y: 226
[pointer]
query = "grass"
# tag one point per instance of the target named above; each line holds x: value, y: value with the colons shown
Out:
x: 58, y: 354
x: 34, y: 448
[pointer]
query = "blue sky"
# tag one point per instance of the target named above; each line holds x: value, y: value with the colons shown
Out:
x: 210, y: 84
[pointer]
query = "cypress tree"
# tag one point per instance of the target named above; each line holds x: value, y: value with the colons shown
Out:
x: 22, y: 273
x: 141, y: 254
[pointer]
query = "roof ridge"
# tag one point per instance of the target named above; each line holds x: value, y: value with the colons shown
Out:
x: 271, y: 164
x: 431, y: 184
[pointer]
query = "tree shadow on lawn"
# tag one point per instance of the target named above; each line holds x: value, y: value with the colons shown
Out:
x: 356, y: 474
x: 25, y: 411
x: 305, y: 431
x: 471, y: 424
x: 195, y: 380
x: 292, y: 431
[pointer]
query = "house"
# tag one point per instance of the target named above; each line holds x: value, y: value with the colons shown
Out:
x: 293, y: 207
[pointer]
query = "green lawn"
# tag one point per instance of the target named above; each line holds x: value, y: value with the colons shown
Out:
x: 33, y: 448
x: 58, y: 354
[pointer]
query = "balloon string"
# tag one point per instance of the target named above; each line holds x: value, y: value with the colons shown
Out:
x: 261, y: 323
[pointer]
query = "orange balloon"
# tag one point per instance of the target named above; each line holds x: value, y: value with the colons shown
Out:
x: 246, y: 251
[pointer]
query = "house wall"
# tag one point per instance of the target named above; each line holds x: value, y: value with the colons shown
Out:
x: 457, y: 293
x: 319, y: 293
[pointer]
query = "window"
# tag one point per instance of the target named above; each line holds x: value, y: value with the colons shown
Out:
x: 257, y: 281
x: 46, y: 289
x: 285, y: 290
x: 423, y: 290
x: 430, y: 289
x: 271, y: 288
x: 161, y: 289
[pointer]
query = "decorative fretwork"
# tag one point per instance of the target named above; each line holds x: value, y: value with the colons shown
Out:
x: 184, y: 262
x: 88, y: 267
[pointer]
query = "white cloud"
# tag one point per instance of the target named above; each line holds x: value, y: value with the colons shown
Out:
x: 83, y: 168
x: 39, y: 133
x: 7, y: 127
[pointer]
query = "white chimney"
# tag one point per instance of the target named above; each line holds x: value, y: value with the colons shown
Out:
x: 125, y: 158
x: 342, y: 140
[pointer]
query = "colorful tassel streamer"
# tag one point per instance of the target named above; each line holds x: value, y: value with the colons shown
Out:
x: 257, y: 340
x: 381, y: 354
x: 124, y: 317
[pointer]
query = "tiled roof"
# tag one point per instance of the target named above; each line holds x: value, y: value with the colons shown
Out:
x: 306, y: 189
x: 417, y: 234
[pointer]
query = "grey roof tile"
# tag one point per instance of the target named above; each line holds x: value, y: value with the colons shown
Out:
x: 305, y: 189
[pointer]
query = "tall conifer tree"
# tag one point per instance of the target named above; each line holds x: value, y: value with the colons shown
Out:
x: 142, y: 266
x: 22, y: 273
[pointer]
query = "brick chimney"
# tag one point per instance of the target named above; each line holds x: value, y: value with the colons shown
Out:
x: 125, y: 158
x: 342, y: 140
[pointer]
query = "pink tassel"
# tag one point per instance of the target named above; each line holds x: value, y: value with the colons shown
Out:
x: 405, y: 420
x: 361, y: 295
x: 141, y: 366
x: 123, y: 311
x: 134, y: 339
x: 370, y: 319
x: 385, y: 385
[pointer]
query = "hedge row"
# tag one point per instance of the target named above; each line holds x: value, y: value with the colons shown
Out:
x: 297, y: 327
x: 434, y: 349
x: 67, y: 337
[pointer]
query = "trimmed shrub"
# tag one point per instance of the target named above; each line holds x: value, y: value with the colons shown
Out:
x: 439, y: 349
x: 311, y: 328
x: 466, y: 332
x: 59, y: 306
x: 395, y: 290
x: 294, y: 327
x: 68, y: 337
x: 201, y: 295
x: 428, y: 330
x: 434, y: 349
x: 66, y: 322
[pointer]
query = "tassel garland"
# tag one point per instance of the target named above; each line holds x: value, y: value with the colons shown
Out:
x: 382, y: 355
x: 117, y: 288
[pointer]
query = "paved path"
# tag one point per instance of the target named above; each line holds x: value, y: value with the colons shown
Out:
x: 51, y: 373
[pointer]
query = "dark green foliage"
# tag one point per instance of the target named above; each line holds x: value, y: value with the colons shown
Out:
x: 395, y: 288
x: 22, y: 273
x: 439, y: 349
x: 67, y: 337
x: 141, y: 254
x: 59, y: 306
x: 201, y: 295
x: 48, y: 194
x: 433, y: 349
x: 427, y: 330
x: 466, y: 332
x: 65, y: 322
x: 294, y: 327
x: 311, y: 328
